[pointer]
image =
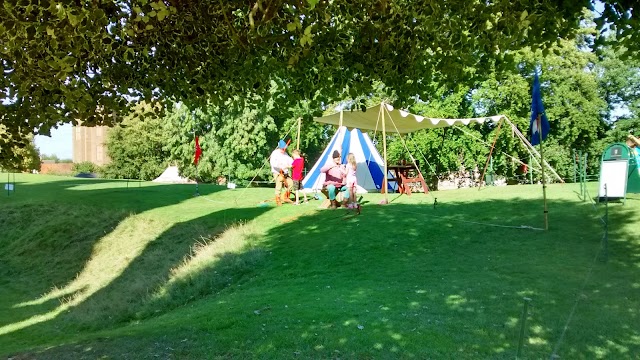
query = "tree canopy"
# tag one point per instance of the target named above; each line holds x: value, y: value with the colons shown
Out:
x: 66, y: 61
x: 583, y: 94
x: 83, y: 60
x: 22, y: 154
x: 579, y: 91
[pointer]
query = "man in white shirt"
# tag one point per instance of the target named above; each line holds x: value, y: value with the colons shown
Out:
x: 280, y: 164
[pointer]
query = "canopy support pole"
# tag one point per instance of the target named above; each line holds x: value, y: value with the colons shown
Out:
x: 385, y: 186
x: 341, y: 118
x: 490, y: 152
x: 298, y: 139
x: 535, y: 152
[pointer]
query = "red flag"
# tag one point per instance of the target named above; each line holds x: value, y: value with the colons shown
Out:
x: 198, y: 152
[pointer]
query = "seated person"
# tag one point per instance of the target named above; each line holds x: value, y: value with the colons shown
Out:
x: 336, y: 174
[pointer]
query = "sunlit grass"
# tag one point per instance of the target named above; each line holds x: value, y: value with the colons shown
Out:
x: 111, y: 255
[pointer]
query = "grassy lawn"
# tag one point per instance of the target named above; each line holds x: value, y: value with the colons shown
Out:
x: 92, y: 268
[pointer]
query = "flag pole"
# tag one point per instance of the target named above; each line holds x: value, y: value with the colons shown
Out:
x: 196, y: 160
x: 197, y: 192
x: 544, y: 183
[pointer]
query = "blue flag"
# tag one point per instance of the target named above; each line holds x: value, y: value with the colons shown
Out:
x: 537, y: 109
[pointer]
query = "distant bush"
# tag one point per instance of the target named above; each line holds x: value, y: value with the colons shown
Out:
x: 86, y: 167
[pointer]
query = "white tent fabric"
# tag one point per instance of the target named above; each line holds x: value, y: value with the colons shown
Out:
x: 172, y: 176
x: 370, y: 164
x: 397, y: 121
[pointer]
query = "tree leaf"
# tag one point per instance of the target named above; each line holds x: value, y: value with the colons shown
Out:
x: 312, y: 3
x: 162, y: 14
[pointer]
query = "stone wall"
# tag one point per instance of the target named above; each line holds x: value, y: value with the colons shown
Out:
x: 464, y: 179
x: 56, y: 169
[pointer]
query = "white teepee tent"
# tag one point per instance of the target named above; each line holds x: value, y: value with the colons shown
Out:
x: 172, y: 176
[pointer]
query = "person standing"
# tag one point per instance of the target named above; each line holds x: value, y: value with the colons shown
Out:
x: 280, y: 163
x: 296, y: 174
x: 633, y: 142
x: 352, y: 182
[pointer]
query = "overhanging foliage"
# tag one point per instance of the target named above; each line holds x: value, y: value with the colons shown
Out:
x: 69, y: 61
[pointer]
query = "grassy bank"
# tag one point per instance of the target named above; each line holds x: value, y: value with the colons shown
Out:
x: 93, y: 268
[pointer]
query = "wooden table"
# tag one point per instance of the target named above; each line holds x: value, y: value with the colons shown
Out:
x: 404, y: 177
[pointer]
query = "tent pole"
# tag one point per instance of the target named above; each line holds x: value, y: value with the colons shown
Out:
x: 535, y: 152
x: 544, y: 183
x: 530, y: 169
x: 490, y: 152
x: 384, y: 150
x: 298, y: 140
x: 341, y: 117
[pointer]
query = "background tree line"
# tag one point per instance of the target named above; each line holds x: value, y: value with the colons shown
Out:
x: 591, y: 100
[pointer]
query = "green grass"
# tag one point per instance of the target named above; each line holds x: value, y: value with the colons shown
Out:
x: 104, y: 269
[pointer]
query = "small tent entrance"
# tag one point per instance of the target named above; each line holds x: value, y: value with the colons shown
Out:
x: 171, y: 175
x: 370, y: 163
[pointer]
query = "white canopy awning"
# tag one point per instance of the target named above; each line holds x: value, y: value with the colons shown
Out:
x: 397, y: 121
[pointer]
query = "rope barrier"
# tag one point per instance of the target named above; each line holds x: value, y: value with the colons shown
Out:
x: 521, y: 227
x: 593, y: 204
x: 554, y: 354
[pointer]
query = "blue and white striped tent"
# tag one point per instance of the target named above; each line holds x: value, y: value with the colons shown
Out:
x: 370, y: 164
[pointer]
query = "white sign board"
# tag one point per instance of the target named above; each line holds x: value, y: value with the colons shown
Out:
x: 8, y: 187
x: 613, y: 174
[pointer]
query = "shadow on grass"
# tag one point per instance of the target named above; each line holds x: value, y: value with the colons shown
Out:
x: 398, y: 281
x: 446, y: 281
x: 49, y: 230
x: 140, y: 287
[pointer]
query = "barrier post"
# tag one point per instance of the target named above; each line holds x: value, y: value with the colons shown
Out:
x: 605, y: 238
x: 523, y: 321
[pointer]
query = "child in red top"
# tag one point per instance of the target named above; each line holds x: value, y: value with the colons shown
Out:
x: 296, y: 174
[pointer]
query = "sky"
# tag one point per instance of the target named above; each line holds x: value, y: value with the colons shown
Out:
x: 60, y: 143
